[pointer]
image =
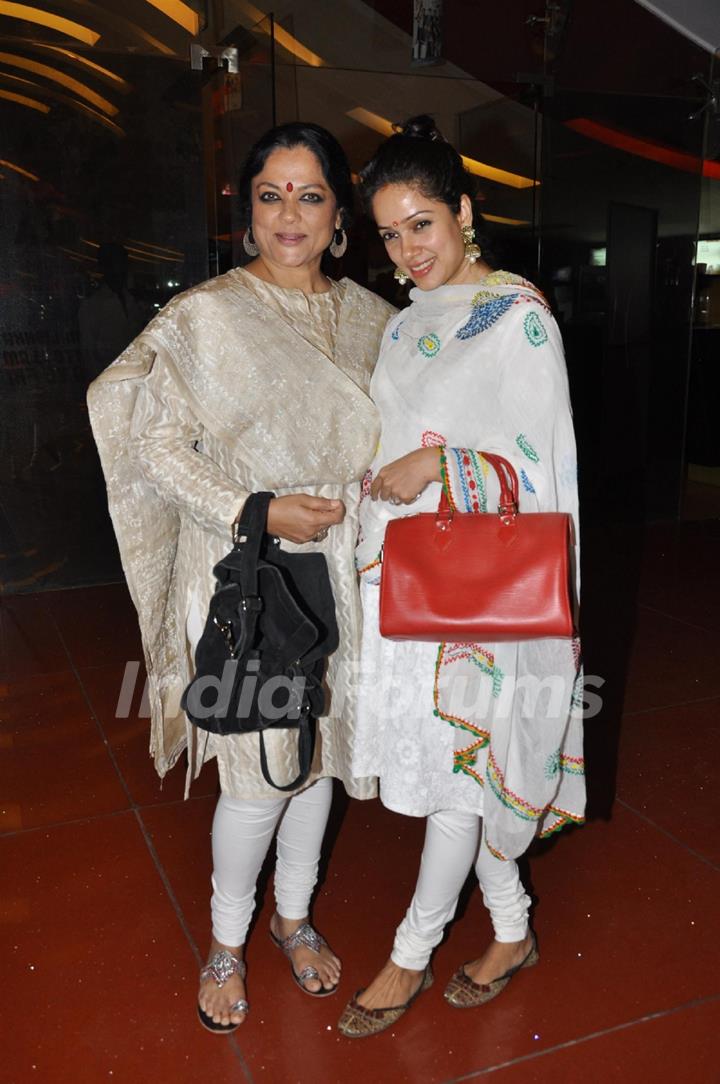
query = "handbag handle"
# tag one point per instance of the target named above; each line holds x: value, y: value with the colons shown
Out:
x: 249, y: 529
x: 509, y: 490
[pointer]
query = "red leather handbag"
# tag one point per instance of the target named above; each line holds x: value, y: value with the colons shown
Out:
x: 467, y: 577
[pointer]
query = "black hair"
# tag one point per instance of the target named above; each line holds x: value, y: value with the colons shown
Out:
x: 323, y: 145
x: 418, y: 156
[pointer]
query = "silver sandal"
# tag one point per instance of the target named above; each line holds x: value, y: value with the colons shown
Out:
x: 221, y: 967
x: 304, y: 935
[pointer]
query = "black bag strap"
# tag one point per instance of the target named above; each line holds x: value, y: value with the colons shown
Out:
x: 249, y: 531
x: 306, y: 750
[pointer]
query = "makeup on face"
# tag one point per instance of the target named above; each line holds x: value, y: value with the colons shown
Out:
x: 424, y: 237
x: 294, y: 210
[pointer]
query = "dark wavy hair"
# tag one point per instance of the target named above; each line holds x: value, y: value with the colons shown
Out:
x: 418, y: 156
x: 323, y: 145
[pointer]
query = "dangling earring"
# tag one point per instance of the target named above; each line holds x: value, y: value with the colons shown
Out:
x: 472, y: 252
x: 338, y: 245
x: 249, y: 243
x: 400, y: 276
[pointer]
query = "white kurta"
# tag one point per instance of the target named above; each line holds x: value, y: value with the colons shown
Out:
x: 457, y: 726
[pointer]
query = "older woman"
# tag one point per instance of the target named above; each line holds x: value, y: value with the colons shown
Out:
x: 257, y: 380
x: 468, y: 733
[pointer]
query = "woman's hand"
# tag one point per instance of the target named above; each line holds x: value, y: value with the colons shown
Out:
x: 402, y: 481
x: 300, y: 517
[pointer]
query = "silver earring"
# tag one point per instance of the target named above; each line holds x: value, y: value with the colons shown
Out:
x: 338, y: 245
x: 400, y: 276
x: 249, y: 243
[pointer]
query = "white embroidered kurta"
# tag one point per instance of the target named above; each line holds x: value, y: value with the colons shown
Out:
x: 458, y: 726
x: 237, y: 386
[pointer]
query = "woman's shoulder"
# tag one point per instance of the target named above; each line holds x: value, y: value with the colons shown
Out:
x: 372, y: 303
x: 508, y: 303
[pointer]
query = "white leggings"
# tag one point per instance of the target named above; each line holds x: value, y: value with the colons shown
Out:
x: 241, y: 835
x: 451, y: 847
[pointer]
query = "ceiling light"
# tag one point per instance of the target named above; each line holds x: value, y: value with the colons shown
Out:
x: 480, y: 169
x: 179, y: 13
x: 644, y: 148
x: 19, y: 169
x: 77, y: 59
x: 282, y: 37
x: 502, y: 221
x: 46, y: 18
x: 20, y: 99
x: 60, y: 77
x: 156, y: 248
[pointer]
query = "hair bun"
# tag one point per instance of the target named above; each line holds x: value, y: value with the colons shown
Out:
x: 420, y: 127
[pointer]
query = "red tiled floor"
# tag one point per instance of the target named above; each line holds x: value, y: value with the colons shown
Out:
x: 129, y: 738
x: 681, y: 572
x: 608, y: 894
x: 29, y: 643
x: 626, y: 915
x: 678, y: 745
x: 53, y: 764
x: 671, y: 663
x: 98, y: 624
x: 683, y: 1046
x: 97, y: 964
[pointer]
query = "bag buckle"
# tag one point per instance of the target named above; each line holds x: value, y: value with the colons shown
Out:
x: 228, y: 634
x: 251, y: 604
x: 508, y: 511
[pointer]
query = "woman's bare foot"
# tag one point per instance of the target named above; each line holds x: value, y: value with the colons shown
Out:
x: 325, y: 962
x: 498, y: 959
x: 216, y: 1000
x: 391, y: 987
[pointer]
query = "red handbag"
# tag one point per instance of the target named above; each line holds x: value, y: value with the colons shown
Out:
x: 467, y: 577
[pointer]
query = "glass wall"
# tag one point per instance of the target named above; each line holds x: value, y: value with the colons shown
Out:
x: 596, y: 162
x: 702, y: 491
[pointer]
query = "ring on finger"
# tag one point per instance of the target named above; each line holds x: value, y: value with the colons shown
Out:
x: 321, y: 535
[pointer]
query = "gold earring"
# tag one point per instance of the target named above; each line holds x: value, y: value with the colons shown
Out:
x: 472, y: 252
x: 400, y: 276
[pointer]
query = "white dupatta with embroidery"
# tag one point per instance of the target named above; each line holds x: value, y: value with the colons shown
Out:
x: 494, y: 728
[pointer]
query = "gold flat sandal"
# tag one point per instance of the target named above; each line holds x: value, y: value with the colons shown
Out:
x: 463, y: 993
x: 357, y: 1022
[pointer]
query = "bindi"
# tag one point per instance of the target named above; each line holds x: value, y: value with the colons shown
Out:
x: 289, y: 186
x: 395, y: 225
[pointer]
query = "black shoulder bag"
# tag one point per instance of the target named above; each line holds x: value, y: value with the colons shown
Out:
x: 260, y: 661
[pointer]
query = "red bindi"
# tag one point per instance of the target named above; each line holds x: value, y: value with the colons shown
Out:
x: 395, y: 225
x: 289, y: 186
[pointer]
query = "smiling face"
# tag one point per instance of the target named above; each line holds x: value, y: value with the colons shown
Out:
x: 423, y: 236
x: 294, y: 211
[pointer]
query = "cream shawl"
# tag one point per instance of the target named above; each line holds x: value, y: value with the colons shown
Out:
x: 266, y: 400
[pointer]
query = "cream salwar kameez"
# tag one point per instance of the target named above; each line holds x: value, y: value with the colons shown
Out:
x: 237, y: 386
x: 492, y: 729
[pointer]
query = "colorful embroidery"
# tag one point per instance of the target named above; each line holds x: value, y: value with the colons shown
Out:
x: 526, y: 448
x: 572, y: 765
x: 480, y: 657
x: 395, y: 333
x: 445, y: 475
x: 552, y: 764
x: 432, y: 440
x: 534, y: 330
x: 429, y: 345
x: 517, y: 805
x: 464, y: 760
x: 471, y: 471
x: 366, y: 484
x: 563, y: 818
x: 526, y: 483
x: 485, y: 313
x: 373, y: 564
x: 495, y: 852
